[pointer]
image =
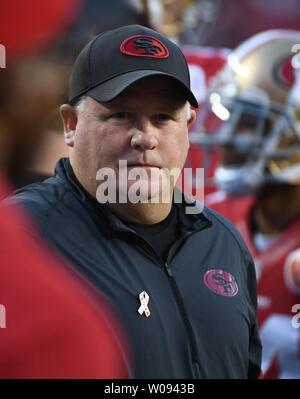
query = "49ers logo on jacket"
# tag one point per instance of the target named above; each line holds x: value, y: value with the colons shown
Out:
x: 144, y: 46
x: 220, y: 282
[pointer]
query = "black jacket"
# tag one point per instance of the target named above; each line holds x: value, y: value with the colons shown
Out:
x: 202, y: 325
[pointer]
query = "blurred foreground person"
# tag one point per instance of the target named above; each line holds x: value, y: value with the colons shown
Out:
x: 32, y: 82
x: 255, y: 103
x: 52, y: 323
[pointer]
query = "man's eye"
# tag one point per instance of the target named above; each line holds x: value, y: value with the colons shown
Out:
x: 121, y: 115
x: 163, y: 117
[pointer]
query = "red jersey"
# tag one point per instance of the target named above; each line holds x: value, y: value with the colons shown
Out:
x: 278, y: 286
x: 204, y: 64
x: 52, y: 325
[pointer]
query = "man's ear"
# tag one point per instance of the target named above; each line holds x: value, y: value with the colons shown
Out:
x: 69, y: 117
x: 192, y: 118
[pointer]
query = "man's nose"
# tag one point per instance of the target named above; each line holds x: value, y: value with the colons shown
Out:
x: 144, y: 135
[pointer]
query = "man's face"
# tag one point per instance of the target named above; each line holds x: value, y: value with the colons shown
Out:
x: 146, y: 126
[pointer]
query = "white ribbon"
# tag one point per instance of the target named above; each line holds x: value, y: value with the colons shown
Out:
x: 144, y: 299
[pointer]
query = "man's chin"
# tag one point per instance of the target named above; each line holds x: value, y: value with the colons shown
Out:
x: 138, y: 192
x: 133, y: 192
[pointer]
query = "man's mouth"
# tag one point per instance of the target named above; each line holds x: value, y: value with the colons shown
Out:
x: 142, y: 164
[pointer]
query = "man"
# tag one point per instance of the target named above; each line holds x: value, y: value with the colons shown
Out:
x: 177, y: 274
x: 170, y: 18
x: 257, y: 94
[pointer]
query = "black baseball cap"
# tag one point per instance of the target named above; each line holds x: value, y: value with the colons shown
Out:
x: 116, y: 59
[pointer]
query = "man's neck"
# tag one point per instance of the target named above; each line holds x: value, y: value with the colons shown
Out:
x: 141, y: 213
x: 276, y: 207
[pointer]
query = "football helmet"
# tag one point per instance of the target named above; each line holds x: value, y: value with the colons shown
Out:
x: 252, y: 114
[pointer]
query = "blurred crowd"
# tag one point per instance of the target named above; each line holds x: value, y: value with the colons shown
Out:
x: 42, y: 40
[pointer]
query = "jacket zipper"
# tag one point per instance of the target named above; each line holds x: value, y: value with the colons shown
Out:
x: 179, y: 302
x: 178, y: 299
x: 182, y: 311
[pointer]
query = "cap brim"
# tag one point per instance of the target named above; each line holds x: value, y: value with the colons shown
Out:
x: 110, y: 89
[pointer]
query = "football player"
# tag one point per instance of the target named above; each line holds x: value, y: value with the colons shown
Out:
x: 254, y: 106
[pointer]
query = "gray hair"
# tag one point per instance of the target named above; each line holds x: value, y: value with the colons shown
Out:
x: 79, y: 104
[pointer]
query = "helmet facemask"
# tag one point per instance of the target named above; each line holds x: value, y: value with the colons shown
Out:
x: 256, y: 130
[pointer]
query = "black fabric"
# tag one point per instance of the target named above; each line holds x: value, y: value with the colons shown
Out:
x: 27, y: 178
x: 192, y: 331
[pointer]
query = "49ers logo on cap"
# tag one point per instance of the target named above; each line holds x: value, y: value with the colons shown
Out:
x: 220, y: 282
x: 144, y: 46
